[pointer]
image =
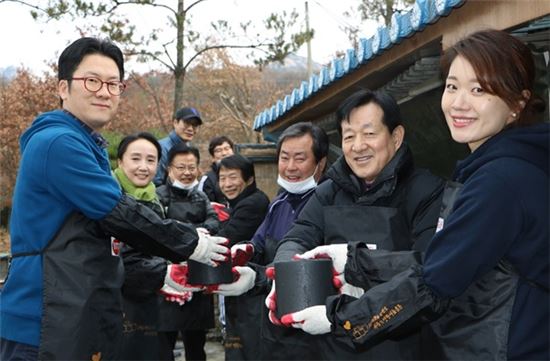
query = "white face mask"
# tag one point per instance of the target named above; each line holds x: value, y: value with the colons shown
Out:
x: 298, y: 187
x: 189, y: 186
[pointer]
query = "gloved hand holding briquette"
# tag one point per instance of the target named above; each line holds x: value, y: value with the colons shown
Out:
x: 241, y: 253
x: 244, y: 278
x: 312, y: 320
x: 172, y: 295
x: 210, y: 249
x: 338, y: 253
x: 271, y: 299
x: 176, y: 278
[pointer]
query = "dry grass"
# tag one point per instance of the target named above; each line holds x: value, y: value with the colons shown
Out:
x: 4, y: 240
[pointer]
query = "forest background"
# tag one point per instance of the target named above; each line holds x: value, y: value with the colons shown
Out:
x: 205, y: 71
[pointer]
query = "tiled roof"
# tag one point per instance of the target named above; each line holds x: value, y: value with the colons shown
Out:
x: 403, y: 25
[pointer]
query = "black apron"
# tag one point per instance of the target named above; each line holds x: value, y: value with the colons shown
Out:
x: 488, y: 301
x: 385, y: 228
x: 242, y: 317
x: 82, y: 316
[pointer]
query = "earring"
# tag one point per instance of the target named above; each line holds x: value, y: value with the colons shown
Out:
x: 514, y: 114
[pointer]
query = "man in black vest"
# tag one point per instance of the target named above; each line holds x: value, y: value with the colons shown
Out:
x: 373, y: 194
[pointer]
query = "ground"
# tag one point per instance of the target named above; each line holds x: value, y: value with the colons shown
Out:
x: 214, y: 351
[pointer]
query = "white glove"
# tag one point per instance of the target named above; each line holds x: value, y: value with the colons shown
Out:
x: 337, y: 252
x: 176, y: 278
x: 172, y: 295
x: 312, y: 320
x: 245, y: 281
x: 202, y: 230
x: 345, y: 288
x: 210, y: 249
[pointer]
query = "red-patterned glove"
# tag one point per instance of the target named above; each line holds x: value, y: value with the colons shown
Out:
x: 176, y: 278
x: 312, y: 320
x: 221, y: 211
x: 271, y: 299
x: 241, y: 253
x: 172, y: 295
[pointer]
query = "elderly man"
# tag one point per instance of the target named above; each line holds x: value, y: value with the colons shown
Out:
x: 247, y: 208
x: 373, y: 194
x: 186, y: 125
x: 302, y: 154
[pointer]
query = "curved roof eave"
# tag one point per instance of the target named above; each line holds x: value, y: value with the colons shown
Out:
x: 423, y: 14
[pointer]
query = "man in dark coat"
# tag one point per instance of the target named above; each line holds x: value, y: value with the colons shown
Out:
x: 373, y: 194
x: 247, y: 208
x: 182, y: 201
x: 302, y: 152
x: 219, y: 148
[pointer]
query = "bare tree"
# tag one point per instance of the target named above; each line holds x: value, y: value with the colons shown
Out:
x: 382, y: 10
x: 188, y: 44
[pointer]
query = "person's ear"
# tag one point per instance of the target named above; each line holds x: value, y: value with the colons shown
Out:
x: 63, y: 89
x: 321, y: 167
x: 398, y: 135
x: 249, y: 181
x: 526, y: 95
x: 118, y: 162
x: 514, y: 115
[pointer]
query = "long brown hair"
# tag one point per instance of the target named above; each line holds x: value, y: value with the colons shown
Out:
x: 504, y: 67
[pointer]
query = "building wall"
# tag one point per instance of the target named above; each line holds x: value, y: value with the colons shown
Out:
x: 264, y: 157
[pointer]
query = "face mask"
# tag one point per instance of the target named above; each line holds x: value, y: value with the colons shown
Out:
x: 189, y: 186
x: 298, y: 187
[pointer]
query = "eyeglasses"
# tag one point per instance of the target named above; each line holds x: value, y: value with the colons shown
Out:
x: 93, y: 84
x: 182, y: 168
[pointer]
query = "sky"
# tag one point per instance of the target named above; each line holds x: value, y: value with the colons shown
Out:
x: 31, y: 44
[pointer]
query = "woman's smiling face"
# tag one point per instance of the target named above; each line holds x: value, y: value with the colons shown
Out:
x: 139, y: 162
x: 472, y: 114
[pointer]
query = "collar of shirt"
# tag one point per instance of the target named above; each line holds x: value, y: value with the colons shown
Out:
x: 97, y: 137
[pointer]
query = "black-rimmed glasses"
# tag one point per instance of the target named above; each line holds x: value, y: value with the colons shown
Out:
x: 93, y: 84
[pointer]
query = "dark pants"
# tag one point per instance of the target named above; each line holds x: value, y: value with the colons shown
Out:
x: 15, y: 351
x: 193, y: 343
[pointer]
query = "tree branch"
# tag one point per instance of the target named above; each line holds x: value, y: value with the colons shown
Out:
x: 208, y: 48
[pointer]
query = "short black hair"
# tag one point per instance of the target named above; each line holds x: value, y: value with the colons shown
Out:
x: 217, y: 141
x: 72, y: 56
x: 392, y: 114
x: 237, y: 161
x: 183, y: 148
x: 129, y: 139
x: 320, y: 138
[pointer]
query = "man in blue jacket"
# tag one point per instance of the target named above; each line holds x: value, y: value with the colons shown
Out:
x: 62, y: 297
x: 186, y: 125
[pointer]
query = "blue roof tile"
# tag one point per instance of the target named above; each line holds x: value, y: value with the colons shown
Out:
x: 336, y: 69
x: 404, y: 25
